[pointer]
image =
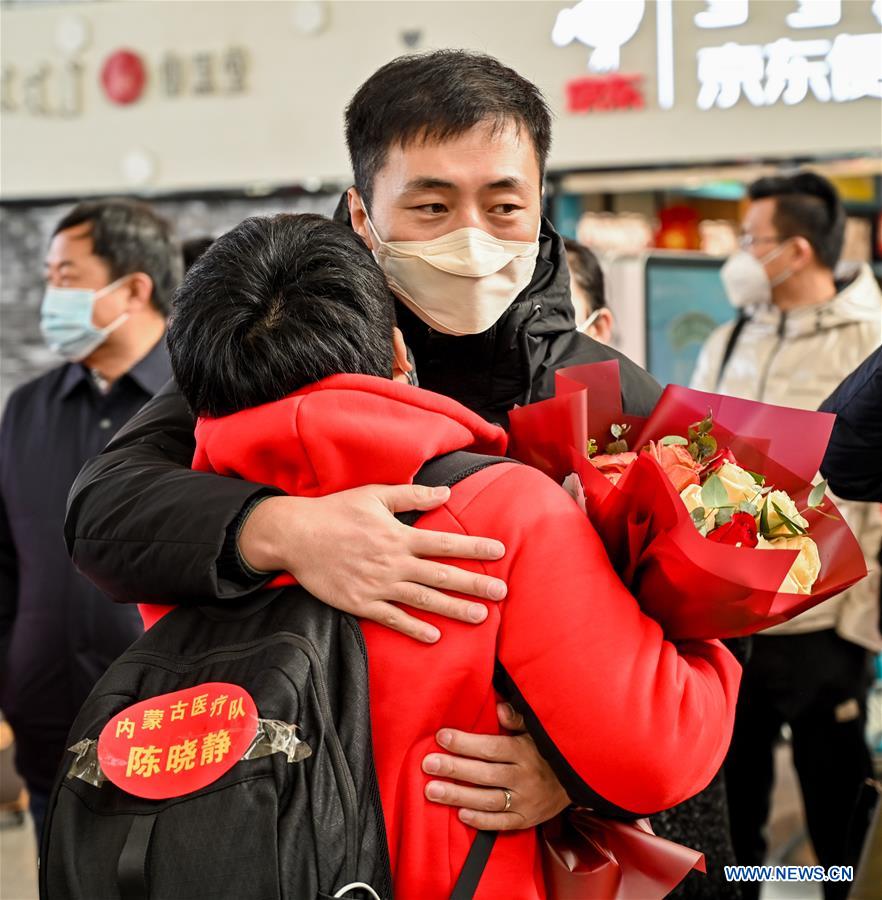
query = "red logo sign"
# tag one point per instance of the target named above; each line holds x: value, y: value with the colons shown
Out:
x: 123, y: 76
x: 177, y: 743
x: 605, y: 92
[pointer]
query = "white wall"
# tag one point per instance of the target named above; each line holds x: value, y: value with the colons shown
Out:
x: 287, y: 127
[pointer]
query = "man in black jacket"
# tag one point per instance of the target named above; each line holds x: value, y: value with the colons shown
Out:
x: 110, y: 271
x: 448, y: 151
x: 853, y: 461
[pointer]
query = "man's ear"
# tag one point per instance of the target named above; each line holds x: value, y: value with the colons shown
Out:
x: 140, y: 286
x: 602, y: 327
x: 358, y: 216
x: 401, y: 365
x: 803, y: 253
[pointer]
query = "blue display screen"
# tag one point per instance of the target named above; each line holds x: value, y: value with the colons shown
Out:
x: 685, y: 302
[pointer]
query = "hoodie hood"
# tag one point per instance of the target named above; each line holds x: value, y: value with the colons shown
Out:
x: 343, y: 432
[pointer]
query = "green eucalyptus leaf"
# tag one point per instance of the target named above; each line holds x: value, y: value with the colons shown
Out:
x: 713, y: 493
x: 674, y: 439
x: 707, y: 446
x: 816, y: 497
x: 747, y: 507
x: 724, y: 516
x: 616, y: 431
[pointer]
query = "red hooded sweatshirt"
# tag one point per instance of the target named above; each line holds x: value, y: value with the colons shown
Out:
x: 630, y: 721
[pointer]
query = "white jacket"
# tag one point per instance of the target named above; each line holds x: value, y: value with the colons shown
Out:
x: 797, y: 359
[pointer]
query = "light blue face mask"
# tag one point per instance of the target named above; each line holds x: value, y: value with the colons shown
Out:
x: 66, y: 320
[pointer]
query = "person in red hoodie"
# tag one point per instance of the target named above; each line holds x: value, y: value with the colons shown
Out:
x: 283, y: 343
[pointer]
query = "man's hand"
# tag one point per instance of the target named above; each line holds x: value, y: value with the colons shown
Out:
x: 495, y: 762
x: 350, y: 551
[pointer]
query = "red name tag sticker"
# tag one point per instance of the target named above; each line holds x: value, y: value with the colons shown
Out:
x: 177, y: 743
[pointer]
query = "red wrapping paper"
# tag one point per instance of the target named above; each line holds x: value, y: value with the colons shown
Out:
x: 695, y: 588
x: 587, y: 857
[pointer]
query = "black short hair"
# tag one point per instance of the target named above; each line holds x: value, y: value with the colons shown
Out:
x: 806, y: 205
x: 130, y: 236
x: 193, y: 248
x: 587, y: 273
x: 438, y: 96
x: 276, y: 304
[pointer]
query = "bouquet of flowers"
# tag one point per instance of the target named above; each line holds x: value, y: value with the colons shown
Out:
x: 690, y: 501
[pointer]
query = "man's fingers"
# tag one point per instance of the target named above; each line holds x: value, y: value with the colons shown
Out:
x: 424, y: 598
x: 408, y: 497
x: 398, y: 620
x: 472, y: 771
x: 508, y: 718
x: 495, y: 748
x: 459, y: 581
x: 484, y: 799
x: 484, y: 821
x: 461, y: 546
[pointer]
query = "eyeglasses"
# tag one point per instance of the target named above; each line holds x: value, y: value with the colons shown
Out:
x: 746, y: 241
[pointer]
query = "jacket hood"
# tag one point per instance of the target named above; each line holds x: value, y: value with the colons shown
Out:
x: 343, y: 432
x: 858, y: 300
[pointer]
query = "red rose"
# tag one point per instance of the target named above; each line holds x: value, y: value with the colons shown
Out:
x: 741, y: 530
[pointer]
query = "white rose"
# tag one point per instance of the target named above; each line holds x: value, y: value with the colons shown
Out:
x: 788, y: 507
x: 691, y: 497
x: 738, y: 483
x: 806, y: 567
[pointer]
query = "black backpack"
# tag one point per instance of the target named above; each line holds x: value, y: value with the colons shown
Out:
x: 267, y: 829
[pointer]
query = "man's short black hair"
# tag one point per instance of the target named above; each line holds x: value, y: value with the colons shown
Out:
x: 274, y: 305
x: 130, y: 236
x: 806, y: 205
x: 438, y: 96
x: 587, y: 273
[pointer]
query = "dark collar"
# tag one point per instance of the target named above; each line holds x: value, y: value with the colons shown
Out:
x: 149, y: 373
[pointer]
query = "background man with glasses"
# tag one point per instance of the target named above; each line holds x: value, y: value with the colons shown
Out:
x: 800, y: 330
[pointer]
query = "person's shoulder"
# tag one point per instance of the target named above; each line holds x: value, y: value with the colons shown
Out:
x: 640, y: 391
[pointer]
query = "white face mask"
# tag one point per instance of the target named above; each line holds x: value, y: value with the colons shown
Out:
x: 746, y: 281
x: 460, y: 283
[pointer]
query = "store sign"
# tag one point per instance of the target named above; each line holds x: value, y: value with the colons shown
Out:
x: 787, y: 69
x: 55, y: 89
x: 46, y: 90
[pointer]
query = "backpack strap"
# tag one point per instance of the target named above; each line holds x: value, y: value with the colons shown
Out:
x: 473, y: 867
x: 447, y: 470
x: 737, y: 328
x: 131, y: 872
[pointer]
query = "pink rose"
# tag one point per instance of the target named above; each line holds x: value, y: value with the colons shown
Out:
x: 677, y: 463
x: 612, y: 465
